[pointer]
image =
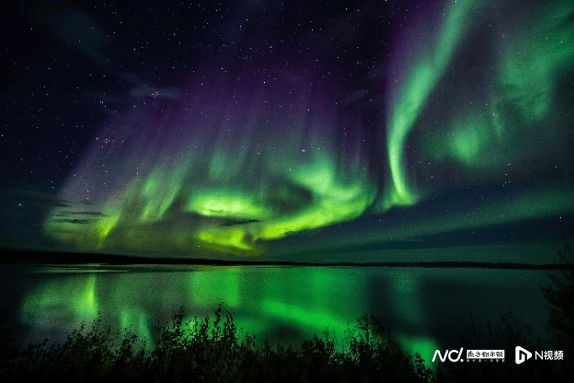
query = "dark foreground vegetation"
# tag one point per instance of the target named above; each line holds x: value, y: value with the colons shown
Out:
x: 213, y: 350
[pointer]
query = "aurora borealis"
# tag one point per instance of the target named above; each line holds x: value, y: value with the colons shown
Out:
x: 276, y: 144
x: 257, y: 164
x: 369, y: 131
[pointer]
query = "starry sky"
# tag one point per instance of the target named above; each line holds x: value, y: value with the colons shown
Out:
x: 272, y: 128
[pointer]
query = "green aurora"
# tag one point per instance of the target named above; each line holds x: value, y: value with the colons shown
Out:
x: 241, y: 162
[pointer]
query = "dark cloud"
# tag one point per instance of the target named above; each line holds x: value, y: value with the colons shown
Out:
x: 75, y: 221
x: 87, y: 213
x: 38, y: 198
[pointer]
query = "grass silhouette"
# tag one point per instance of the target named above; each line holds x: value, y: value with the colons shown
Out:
x: 210, y: 350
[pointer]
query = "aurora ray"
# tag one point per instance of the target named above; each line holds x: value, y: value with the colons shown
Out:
x: 208, y: 171
x: 258, y: 151
x: 429, y: 63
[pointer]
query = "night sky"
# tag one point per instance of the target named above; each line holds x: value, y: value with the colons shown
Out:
x: 269, y: 129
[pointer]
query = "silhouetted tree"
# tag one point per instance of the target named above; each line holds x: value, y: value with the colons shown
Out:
x: 560, y: 297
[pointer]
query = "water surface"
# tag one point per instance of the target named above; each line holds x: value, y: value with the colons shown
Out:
x: 420, y: 306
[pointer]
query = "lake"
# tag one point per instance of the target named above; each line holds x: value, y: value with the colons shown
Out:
x: 420, y: 306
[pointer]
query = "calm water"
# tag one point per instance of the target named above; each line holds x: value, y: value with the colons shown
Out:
x: 420, y: 306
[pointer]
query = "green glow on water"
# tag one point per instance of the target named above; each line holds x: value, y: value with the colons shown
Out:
x: 85, y: 302
x: 211, y: 287
x: 311, y: 320
x: 136, y: 321
x: 406, y: 293
x: 269, y: 302
x: 71, y: 299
